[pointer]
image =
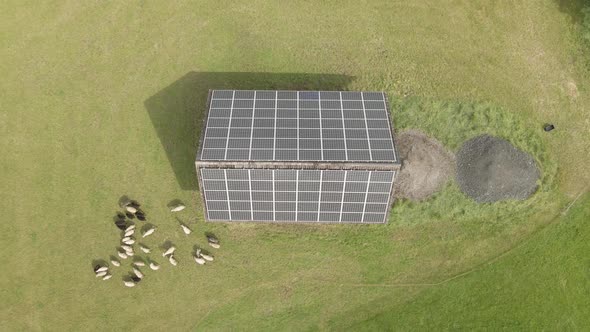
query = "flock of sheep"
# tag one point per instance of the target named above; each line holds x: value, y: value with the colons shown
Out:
x: 131, y: 210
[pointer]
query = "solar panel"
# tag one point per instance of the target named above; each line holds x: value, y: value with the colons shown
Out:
x: 339, y: 126
x: 289, y: 195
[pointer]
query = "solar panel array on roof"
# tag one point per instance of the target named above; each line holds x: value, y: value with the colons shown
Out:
x: 297, y: 195
x: 297, y: 156
x: 298, y: 126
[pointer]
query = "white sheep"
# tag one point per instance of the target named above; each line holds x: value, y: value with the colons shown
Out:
x: 126, y: 247
x: 138, y: 273
x: 172, y: 260
x: 132, y: 227
x: 102, y: 269
x: 107, y: 277
x: 129, y: 242
x: 115, y: 262
x: 169, y: 251
x: 139, y: 263
x: 185, y: 229
x: 126, y: 238
x: 144, y: 249
x: 154, y: 266
x: 131, y: 209
x: 207, y: 257
x: 129, y: 283
x: 129, y: 233
x: 130, y: 253
x: 149, y: 232
x: 178, y: 208
x: 122, y: 254
x: 214, y: 245
x: 199, y: 260
x: 101, y: 274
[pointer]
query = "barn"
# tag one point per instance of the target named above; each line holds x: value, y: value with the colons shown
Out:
x: 297, y: 156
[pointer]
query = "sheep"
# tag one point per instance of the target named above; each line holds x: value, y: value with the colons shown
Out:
x: 140, y: 217
x: 101, y: 274
x: 149, y: 232
x: 199, y: 260
x: 129, y: 242
x: 178, y: 208
x: 130, y: 253
x: 214, y: 245
x: 169, y: 251
x: 115, y: 262
x: 130, y: 209
x: 120, y: 224
x: 185, y: 229
x: 130, y: 215
x: 154, y: 266
x: 101, y: 269
x: 207, y: 257
x: 139, y: 263
x: 144, y: 249
x: 129, y: 233
x: 212, y: 239
x: 129, y: 283
x: 122, y: 254
x: 107, y: 277
x: 138, y: 273
x: 172, y: 260
x: 126, y: 247
x: 130, y: 228
x: 126, y: 238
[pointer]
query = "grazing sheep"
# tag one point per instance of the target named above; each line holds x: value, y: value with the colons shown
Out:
x: 107, y: 277
x: 130, y: 253
x: 214, y: 245
x: 129, y: 228
x: 178, y: 208
x: 199, y: 260
x: 96, y: 267
x: 139, y: 263
x: 101, y: 274
x: 154, y: 266
x: 144, y: 249
x: 120, y: 224
x: 115, y: 262
x: 185, y: 229
x: 130, y: 209
x: 129, y: 242
x: 130, y: 215
x: 129, y: 233
x: 122, y: 254
x: 140, y: 217
x: 126, y: 238
x: 126, y: 247
x: 172, y: 260
x: 101, y: 269
x: 207, y: 257
x: 169, y: 251
x: 129, y: 283
x: 212, y: 239
x: 149, y: 232
x: 138, y: 273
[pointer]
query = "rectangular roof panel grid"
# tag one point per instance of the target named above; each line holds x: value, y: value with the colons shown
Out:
x: 311, y: 126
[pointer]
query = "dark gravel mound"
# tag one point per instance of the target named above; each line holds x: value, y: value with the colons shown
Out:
x: 490, y: 169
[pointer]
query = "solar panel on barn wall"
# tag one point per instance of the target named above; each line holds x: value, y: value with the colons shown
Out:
x: 297, y: 156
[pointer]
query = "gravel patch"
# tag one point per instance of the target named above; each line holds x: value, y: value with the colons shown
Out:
x: 426, y: 165
x: 490, y: 169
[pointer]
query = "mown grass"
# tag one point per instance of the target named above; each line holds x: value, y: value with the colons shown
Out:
x: 83, y: 121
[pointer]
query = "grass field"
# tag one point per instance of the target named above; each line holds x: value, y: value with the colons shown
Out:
x: 101, y: 100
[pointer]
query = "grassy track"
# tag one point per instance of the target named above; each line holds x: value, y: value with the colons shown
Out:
x: 103, y: 99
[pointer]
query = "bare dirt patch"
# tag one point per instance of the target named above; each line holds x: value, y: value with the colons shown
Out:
x: 426, y: 165
x: 490, y: 169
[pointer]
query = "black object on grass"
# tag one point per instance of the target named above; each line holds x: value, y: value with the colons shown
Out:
x: 136, y: 278
x: 121, y: 224
x: 548, y: 127
x: 130, y: 215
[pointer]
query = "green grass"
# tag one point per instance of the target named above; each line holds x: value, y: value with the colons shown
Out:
x: 102, y: 100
